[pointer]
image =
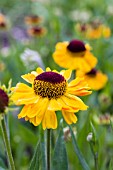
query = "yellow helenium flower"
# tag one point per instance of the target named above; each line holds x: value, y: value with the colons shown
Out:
x: 95, y: 78
x: 74, y: 55
x: 36, y: 31
x: 100, y: 31
x: 50, y: 92
x: 33, y: 19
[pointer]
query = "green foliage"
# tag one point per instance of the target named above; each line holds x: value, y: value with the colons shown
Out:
x: 35, y: 162
x: 60, y: 160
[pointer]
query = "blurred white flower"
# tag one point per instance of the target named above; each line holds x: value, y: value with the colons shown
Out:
x: 5, y: 51
x: 67, y: 133
x: 32, y: 58
x: 78, y: 15
x: 110, y: 10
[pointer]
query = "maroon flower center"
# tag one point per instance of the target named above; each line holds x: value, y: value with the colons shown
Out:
x: 76, y: 46
x: 2, y: 25
x: 50, y: 84
x: 92, y: 72
x: 51, y: 77
x: 3, y: 100
x: 37, y: 30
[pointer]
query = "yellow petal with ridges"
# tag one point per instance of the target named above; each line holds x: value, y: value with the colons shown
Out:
x: 64, y: 106
x: 24, y: 111
x: 74, y: 102
x: 49, y: 120
x: 54, y: 105
x: 29, y: 78
x: 37, y: 108
x: 22, y: 88
x: 69, y: 117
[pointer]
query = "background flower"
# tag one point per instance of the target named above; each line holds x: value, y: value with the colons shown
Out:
x: 75, y: 55
x: 95, y: 78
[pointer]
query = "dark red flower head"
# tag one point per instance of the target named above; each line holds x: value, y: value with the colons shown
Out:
x: 3, y: 100
x: 76, y: 46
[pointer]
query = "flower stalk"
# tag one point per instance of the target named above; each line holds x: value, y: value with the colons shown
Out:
x: 7, y: 143
x: 48, y: 149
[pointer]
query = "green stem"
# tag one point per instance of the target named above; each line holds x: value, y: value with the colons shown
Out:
x: 95, y: 155
x: 7, y: 144
x: 48, y: 149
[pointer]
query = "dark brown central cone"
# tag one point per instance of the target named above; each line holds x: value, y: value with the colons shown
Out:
x: 3, y: 100
x: 76, y: 46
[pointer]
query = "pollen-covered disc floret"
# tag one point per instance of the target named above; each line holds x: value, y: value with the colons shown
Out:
x: 76, y: 46
x: 3, y: 100
x: 50, y: 84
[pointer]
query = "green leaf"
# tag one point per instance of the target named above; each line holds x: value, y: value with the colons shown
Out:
x: 60, y: 155
x: 35, y: 162
x: 2, y: 166
x: 78, y: 152
x: 111, y: 164
x: 43, y: 156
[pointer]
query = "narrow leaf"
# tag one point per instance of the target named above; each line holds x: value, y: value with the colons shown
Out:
x: 43, y: 156
x: 78, y: 152
x: 60, y: 155
x: 35, y: 162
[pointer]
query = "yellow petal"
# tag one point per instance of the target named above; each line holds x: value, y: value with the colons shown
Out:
x: 21, y: 87
x: 24, y: 111
x: 64, y: 106
x: 34, y: 73
x: 39, y: 70
x: 23, y: 94
x: 69, y: 117
x: 54, y: 105
x: 49, y: 120
x: 38, y: 107
x: 66, y: 73
x: 29, y: 77
x: 76, y: 82
x: 74, y: 102
x: 48, y: 69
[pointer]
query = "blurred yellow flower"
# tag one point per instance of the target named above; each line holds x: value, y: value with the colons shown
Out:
x: 94, y: 30
x: 33, y: 19
x: 50, y: 92
x: 95, y: 78
x: 74, y: 55
x: 3, y: 23
x: 36, y: 31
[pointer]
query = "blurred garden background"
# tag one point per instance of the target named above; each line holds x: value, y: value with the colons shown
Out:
x: 29, y: 31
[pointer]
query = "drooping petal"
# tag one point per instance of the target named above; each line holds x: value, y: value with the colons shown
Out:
x: 69, y: 117
x: 23, y: 94
x: 38, y: 107
x: 78, y: 87
x: 24, y: 111
x: 54, y: 105
x: 74, y: 102
x: 29, y: 78
x: 49, y: 120
x: 64, y: 106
